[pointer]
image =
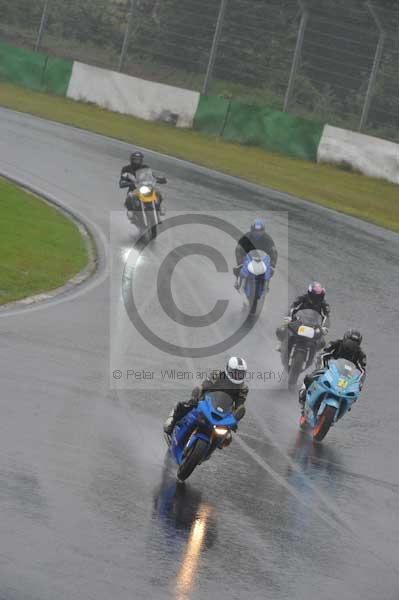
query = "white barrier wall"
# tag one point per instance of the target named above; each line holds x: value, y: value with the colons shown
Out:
x: 129, y: 95
x: 369, y: 155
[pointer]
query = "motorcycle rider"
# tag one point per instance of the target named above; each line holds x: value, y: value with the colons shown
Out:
x: 314, y: 299
x: 128, y: 173
x: 349, y: 348
x: 255, y: 239
x: 231, y: 380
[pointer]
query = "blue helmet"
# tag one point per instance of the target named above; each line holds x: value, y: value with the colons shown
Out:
x: 258, y: 227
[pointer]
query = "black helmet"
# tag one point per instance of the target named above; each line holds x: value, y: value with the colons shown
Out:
x: 136, y: 159
x: 353, y: 335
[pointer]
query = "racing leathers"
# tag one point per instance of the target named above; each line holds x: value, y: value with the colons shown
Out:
x: 253, y: 241
x: 217, y: 381
x: 128, y: 173
x: 307, y: 302
x: 302, y: 303
x: 335, y: 350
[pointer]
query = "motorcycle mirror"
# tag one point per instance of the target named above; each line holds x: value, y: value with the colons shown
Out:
x: 162, y: 180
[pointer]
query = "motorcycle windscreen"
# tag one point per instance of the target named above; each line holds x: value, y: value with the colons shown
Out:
x: 258, y: 255
x: 221, y: 403
x: 145, y: 177
x: 309, y: 317
x: 346, y: 368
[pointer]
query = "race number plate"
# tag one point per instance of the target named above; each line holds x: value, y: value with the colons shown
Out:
x: 343, y: 383
x: 306, y: 331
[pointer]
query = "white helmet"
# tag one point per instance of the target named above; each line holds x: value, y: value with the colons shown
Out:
x: 236, y: 369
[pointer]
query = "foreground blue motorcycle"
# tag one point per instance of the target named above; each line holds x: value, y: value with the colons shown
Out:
x: 201, y: 431
x: 330, y: 397
x: 256, y: 273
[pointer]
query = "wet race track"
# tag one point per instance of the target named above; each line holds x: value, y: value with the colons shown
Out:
x: 89, y: 504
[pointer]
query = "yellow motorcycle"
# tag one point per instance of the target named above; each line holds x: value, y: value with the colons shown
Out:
x: 146, y: 200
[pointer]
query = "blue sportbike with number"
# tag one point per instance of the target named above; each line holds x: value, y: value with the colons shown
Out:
x: 330, y: 397
x: 201, y: 431
x: 256, y: 273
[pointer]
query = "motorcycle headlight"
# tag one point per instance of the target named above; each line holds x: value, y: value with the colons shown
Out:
x: 220, y: 430
x: 145, y: 190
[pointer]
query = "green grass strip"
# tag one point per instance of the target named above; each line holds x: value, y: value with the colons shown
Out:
x: 40, y: 249
x: 373, y: 200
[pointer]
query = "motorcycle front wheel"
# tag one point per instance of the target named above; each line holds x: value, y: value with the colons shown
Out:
x: 152, y: 225
x: 195, y: 456
x: 324, y: 423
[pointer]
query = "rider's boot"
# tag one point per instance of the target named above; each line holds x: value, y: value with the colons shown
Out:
x: 170, y: 423
x: 180, y: 411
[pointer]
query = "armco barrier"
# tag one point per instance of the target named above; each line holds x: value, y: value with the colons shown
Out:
x: 259, y: 126
x: 368, y: 155
x: 130, y: 95
x: 35, y: 71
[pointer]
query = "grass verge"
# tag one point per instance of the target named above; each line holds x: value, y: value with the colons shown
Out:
x: 373, y: 200
x: 40, y: 249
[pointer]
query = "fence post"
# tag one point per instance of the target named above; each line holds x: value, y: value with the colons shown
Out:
x: 376, y: 66
x: 127, y: 35
x: 43, y: 22
x: 297, y: 55
x: 214, y: 49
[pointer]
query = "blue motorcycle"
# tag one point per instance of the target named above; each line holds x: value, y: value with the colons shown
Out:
x: 201, y: 431
x: 330, y: 397
x: 256, y: 273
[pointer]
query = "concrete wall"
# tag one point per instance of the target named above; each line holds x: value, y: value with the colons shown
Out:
x: 130, y: 95
x: 368, y: 155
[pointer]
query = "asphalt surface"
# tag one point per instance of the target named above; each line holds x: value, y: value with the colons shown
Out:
x: 89, y: 503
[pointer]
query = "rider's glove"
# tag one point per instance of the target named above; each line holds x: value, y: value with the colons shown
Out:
x: 324, y: 330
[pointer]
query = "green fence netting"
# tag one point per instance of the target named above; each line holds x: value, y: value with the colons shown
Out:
x: 33, y: 70
x: 259, y: 126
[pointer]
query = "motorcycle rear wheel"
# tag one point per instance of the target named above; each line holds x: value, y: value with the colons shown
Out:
x: 196, y: 455
x: 253, y: 305
x: 295, y: 370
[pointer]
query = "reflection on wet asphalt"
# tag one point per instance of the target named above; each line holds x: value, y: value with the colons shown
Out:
x: 90, y: 507
x: 185, y: 521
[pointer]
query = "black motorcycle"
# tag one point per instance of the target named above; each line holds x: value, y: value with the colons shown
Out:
x: 304, y: 337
